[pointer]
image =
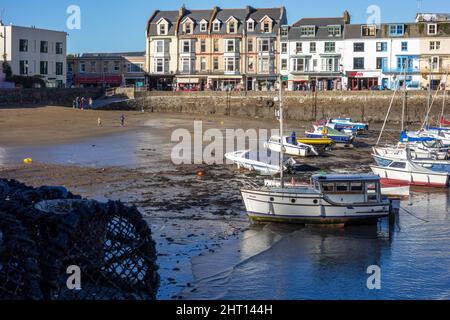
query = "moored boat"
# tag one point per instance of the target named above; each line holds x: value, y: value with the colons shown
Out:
x: 292, y: 148
x: 330, y: 133
x: 329, y: 199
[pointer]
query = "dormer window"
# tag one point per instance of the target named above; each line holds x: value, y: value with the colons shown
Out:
x: 250, y: 25
x: 163, y: 26
x: 216, y: 26
x: 284, y: 31
x: 432, y: 29
x: 307, y: 31
x: 232, y: 27
x: 188, y: 28
x: 203, y: 26
x: 162, y: 29
x: 266, y: 27
x: 368, y: 31
x: 334, y: 31
x: 396, y: 30
x: 266, y: 24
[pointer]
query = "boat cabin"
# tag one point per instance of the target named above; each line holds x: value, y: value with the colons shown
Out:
x: 349, y: 188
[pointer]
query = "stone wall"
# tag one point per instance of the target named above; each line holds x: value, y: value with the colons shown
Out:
x: 48, y: 96
x: 302, y: 106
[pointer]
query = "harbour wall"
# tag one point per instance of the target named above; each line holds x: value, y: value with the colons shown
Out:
x: 370, y: 106
x: 47, y: 96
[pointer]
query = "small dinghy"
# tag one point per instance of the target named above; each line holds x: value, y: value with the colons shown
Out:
x: 291, y: 146
x: 266, y: 163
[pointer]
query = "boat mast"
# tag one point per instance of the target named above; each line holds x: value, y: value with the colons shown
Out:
x: 280, y: 97
x: 404, y: 96
x: 444, y: 98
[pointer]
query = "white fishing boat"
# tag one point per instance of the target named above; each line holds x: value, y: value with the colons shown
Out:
x: 298, y: 149
x: 406, y: 172
x: 330, y: 199
x: 266, y: 163
x: 418, y: 151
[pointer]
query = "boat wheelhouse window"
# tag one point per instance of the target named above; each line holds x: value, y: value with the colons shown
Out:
x: 356, y: 187
x: 328, y: 187
x: 372, y: 191
x: 342, y: 187
x: 399, y: 165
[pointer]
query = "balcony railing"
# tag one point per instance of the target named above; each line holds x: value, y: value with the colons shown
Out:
x: 387, y: 70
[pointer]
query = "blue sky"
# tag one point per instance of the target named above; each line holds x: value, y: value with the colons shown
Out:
x: 118, y: 25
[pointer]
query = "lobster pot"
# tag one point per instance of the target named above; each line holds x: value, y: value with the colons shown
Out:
x: 72, y: 248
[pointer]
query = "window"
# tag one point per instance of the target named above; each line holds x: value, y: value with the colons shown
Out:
x: 23, y: 45
x: 308, y: 31
x: 356, y: 187
x: 106, y: 67
x: 250, y: 45
x: 250, y: 26
x: 403, y: 62
x: 399, y: 165
x: 44, y: 46
x: 435, y: 63
x: 381, y: 62
x: 93, y: 65
x: 216, y: 64
x: 230, y: 45
x: 231, y: 64
x: 284, y: 47
x: 334, y: 31
x: 116, y: 66
x: 216, y: 45
x: 159, y: 46
x: 203, y: 27
x: 251, y: 64
x: 203, y: 64
x: 435, y: 45
x: 284, y: 31
x: 341, y: 187
x: 44, y: 67
x: 216, y: 26
x: 358, y: 47
x: 23, y: 67
x: 330, y: 64
x: 381, y: 46
x: 432, y: 29
x: 312, y: 47
x: 59, y: 68
x: 188, y: 28
x: 162, y: 29
x: 404, y: 46
x: 298, y: 47
x: 83, y: 67
x: 59, y: 48
x: 186, y: 46
x: 266, y: 27
x: 368, y: 31
x: 396, y: 29
x: 232, y: 27
x: 358, y: 63
x: 328, y: 187
x: 264, y: 45
x: 283, y: 64
x: 159, y: 65
x: 265, y: 65
x: 330, y: 47
x: 300, y: 64
x: 203, y: 45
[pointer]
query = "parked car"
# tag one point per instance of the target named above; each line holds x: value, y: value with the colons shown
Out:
x: 378, y: 88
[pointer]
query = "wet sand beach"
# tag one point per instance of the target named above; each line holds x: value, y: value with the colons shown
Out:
x: 198, y: 223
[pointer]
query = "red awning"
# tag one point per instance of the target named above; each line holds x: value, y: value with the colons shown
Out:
x: 98, y: 79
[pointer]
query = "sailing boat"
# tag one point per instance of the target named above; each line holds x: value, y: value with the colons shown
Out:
x: 329, y: 199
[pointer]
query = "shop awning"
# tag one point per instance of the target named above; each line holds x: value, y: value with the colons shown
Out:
x: 188, y: 80
x: 225, y: 77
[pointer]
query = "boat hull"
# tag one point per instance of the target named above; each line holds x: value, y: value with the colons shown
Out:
x: 308, y: 209
x: 399, y: 177
x: 335, y: 139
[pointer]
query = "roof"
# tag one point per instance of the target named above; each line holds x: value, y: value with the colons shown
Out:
x: 171, y: 16
x: 319, y: 22
x: 197, y: 16
x: 321, y: 25
x: 346, y: 177
x: 111, y: 55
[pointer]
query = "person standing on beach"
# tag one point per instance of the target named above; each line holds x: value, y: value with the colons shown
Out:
x: 74, y: 103
x: 122, y: 121
x: 99, y: 122
x: 77, y: 102
x: 90, y: 103
x: 83, y: 101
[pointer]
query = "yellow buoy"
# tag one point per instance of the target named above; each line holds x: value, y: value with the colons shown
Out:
x: 28, y: 161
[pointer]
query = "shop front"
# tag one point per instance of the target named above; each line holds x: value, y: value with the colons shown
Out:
x: 225, y: 83
x: 98, y: 80
x: 265, y: 83
x: 161, y: 83
x: 362, y: 80
x: 299, y: 83
x: 191, y: 84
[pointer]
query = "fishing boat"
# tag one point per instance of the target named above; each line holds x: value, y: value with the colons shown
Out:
x: 329, y: 199
x: 333, y: 134
x: 418, y: 151
x: 406, y: 172
x: 266, y: 163
x: 318, y: 143
x: 291, y: 146
x: 348, y: 123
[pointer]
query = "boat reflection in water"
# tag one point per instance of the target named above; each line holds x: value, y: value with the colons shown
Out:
x: 278, y: 261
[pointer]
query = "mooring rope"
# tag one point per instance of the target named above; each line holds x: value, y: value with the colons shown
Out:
x: 410, y: 213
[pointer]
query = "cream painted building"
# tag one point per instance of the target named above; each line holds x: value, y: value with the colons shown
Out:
x: 35, y: 52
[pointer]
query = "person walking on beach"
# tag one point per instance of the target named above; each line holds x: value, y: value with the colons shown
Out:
x: 122, y: 120
x: 83, y: 102
x: 90, y: 103
x: 77, y: 102
x: 74, y: 103
x: 99, y: 122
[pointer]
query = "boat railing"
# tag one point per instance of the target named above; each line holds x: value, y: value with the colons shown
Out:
x: 250, y: 184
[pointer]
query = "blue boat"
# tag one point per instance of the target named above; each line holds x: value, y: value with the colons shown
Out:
x: 405, y: 137
x: 433, y: 165
x: 347, y: 123
x: 330, y: 133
